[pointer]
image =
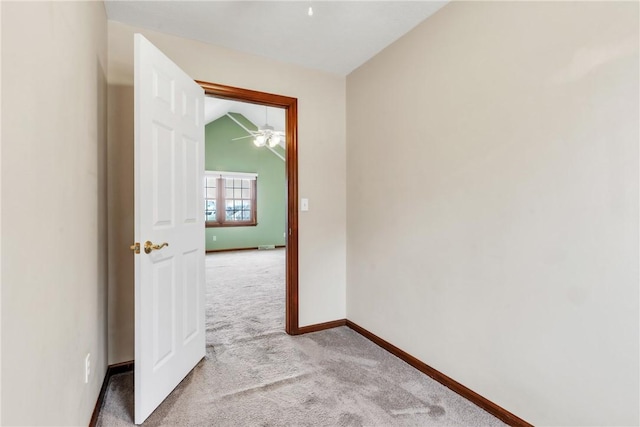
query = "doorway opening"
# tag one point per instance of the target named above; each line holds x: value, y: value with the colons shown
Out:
x: 290, y: 107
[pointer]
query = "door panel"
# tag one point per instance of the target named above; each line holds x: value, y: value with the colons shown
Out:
x: 163, y: 175
x: 191, y: 309
x: 191, y: 179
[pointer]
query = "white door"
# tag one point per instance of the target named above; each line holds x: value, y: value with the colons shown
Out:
x: 169, y: 208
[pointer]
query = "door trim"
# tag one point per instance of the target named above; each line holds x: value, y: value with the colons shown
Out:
x: 291, y: 164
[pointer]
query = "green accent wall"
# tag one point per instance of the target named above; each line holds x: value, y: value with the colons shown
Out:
x: 223, y: 154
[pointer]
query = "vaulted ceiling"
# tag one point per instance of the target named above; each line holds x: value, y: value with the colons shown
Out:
x: 259, y: 115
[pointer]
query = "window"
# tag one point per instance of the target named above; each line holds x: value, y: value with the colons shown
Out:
x: 230, y: 199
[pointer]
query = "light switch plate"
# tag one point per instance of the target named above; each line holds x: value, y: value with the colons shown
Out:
x: 304, y: 205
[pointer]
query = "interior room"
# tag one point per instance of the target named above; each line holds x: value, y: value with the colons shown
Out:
x: 232, y: 132
x: 462, y: 211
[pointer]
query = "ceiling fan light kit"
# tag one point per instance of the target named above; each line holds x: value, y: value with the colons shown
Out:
x: 266, y: 135
x: 259, y: 141
x: 267, y: 138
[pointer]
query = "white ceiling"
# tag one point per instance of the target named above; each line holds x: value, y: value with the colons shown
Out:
x: 338, y: 38
x: 215, y: 108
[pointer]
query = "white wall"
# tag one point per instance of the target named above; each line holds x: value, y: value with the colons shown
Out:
x: 54, y: 214
x: 492, y: 163
x: 322, y: 175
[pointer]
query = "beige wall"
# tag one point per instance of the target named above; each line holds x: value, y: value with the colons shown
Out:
x: 322, y: 175
x: 54, y: 213
x: 492, y: 163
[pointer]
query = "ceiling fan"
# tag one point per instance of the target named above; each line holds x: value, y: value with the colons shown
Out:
x: 265, y: 135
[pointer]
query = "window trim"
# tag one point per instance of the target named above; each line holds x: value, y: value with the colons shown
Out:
x: 220, y: 199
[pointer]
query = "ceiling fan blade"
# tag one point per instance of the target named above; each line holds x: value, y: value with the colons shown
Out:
x: 242, y: 137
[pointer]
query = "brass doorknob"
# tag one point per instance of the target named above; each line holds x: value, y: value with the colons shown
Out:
x: 148, y: 247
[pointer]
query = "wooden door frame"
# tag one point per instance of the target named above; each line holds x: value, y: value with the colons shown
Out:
x: 291, y: 166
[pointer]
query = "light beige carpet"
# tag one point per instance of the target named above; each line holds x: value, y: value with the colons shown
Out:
x: 256, y: 375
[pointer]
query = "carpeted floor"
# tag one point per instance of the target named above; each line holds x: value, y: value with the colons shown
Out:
x: 256, y: 375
